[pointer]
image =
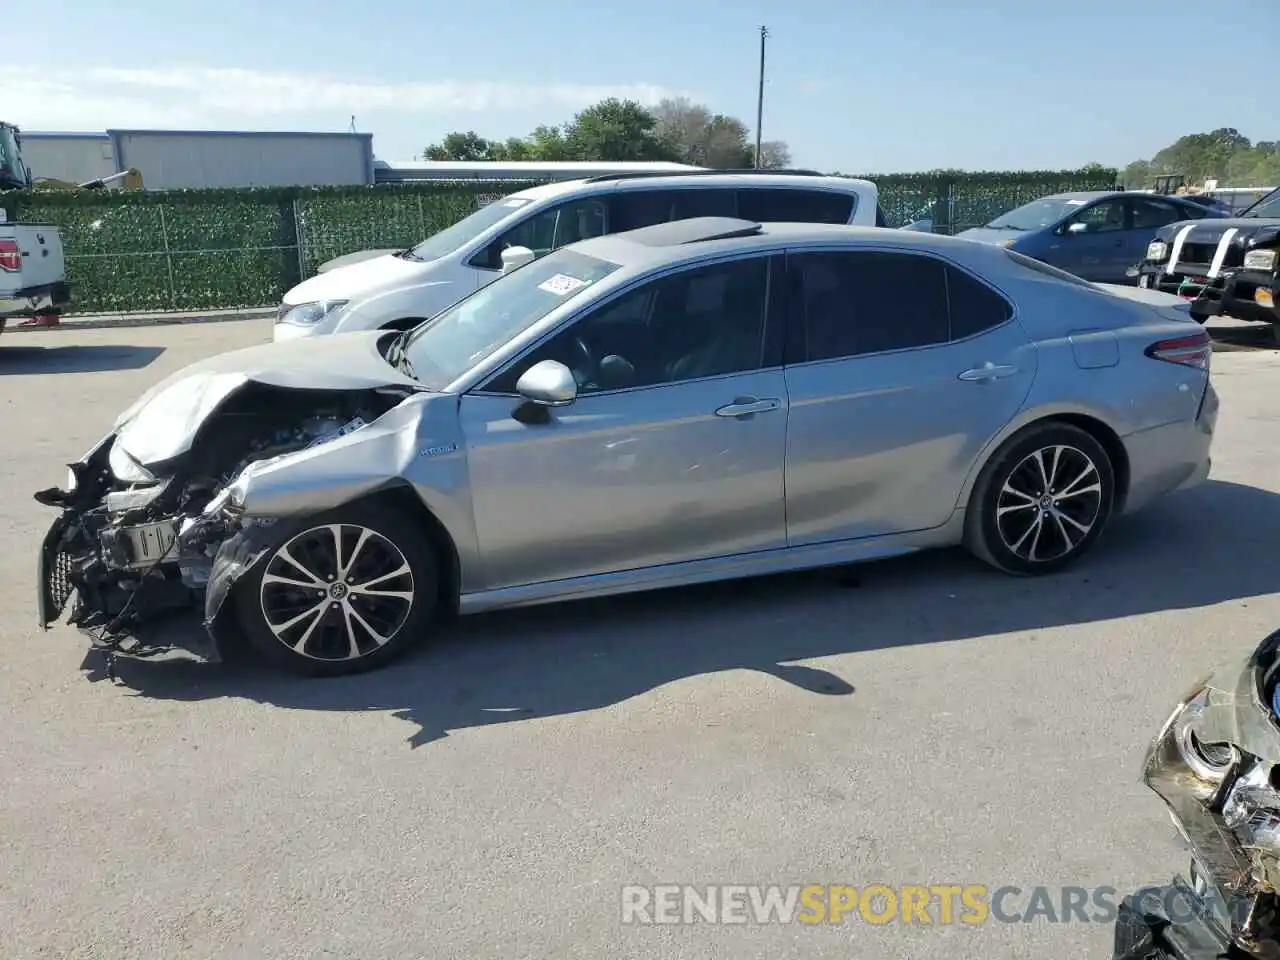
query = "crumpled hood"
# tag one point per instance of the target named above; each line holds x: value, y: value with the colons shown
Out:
x: 1210, y: 230
x: 162, y: 423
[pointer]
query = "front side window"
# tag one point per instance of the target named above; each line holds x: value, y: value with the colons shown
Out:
x: 704, y: 322
x: 548, y: 230
x: 1104, y: 217
x: 453, y: 342
x: 859, y: 303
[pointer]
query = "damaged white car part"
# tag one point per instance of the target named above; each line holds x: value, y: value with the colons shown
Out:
x: 1216, y: 766
x: 149, y: 511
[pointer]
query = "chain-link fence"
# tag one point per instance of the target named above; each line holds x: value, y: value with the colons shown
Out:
x: 190, y: 250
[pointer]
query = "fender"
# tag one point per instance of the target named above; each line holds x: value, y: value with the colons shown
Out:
x: 416, y: 444
x: 1024, y: 418
x: 424, y: 299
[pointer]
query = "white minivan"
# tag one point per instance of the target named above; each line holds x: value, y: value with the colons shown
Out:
x: 399, y: 290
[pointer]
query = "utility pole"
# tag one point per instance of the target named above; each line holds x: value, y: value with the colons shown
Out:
x: 764, y: 35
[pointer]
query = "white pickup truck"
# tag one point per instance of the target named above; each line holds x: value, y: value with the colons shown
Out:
x: 32, y: 271
x: 33, y: 280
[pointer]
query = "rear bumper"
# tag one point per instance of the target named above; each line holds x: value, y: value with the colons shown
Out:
x: 1175, y: 456
x: 35, y: 301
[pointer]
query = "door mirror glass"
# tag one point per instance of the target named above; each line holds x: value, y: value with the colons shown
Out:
x: 548, y: 384
x: 514, y: 257
x: 1077, y: 228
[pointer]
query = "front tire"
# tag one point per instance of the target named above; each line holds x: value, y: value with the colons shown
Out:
x: 341, y: 593
x: 1041, y: 501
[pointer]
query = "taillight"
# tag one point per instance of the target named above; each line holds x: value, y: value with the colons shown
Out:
x: 10, y: 256
x: 1192, y: 351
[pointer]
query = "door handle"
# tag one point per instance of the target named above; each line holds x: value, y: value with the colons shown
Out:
x: 987, y: 372
x: 748, y: 406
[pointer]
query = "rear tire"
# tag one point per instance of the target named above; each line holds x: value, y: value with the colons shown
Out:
x: 1041, y: 501
x: 341, y: 593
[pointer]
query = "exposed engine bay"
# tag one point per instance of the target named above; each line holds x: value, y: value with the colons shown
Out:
x: 137, y: 541
x: 1216, y: 766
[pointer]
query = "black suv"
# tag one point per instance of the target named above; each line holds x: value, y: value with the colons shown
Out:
x: 1224, y: 266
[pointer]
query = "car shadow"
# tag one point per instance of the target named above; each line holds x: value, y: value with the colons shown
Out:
x: 1197, y: 548
x: 74, y: 359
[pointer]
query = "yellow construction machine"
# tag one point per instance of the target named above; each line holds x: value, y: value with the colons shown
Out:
x: 15, y: 175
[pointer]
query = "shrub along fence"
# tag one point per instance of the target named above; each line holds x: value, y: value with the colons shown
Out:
x: 186, y: 250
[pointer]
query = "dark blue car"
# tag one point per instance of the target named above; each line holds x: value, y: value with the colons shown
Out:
x: 1097, y: 236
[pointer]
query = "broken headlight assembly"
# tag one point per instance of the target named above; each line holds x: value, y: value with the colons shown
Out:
x: 1216, y: 765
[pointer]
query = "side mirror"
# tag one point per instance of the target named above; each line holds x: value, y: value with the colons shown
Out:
x: 1078, y: 228
x: 548, y: 384
x: 513, y: 257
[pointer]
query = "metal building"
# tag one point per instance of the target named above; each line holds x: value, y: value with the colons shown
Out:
x: 78, y: 157
x: 198, y: 159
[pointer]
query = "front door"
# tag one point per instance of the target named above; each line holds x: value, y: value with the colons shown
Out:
x: 672, y: 451
x: 1098, y: 247
x: 907, y: 367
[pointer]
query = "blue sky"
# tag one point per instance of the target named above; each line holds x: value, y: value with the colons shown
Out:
x: 874, y: 86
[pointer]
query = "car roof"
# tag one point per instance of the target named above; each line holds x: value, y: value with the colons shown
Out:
x: 617, y: 183
x: 697, y: 238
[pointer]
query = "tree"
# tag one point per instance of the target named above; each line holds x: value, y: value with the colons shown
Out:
x: 774, y: 155
x: 1223, y: 154
x: 460, y: 146
x: 623, y: 130
x: 708, y: 139
x: 617, y: 130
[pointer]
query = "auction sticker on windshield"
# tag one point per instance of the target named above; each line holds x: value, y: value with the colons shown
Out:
x: 561, y: 284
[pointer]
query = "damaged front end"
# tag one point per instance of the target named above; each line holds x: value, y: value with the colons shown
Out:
x: 1216, y: 766
x: 151, y: 530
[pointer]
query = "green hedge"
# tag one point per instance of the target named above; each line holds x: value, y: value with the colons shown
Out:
x: 190, y: 250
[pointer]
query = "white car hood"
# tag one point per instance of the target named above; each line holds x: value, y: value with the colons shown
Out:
x: 356, y: 280
x: 164, y: 421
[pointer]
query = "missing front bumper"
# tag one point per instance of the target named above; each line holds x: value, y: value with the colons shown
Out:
x: 147, y: 613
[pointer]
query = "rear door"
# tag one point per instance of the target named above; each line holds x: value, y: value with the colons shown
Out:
x: 1146, y: 216
x: 901, y: 368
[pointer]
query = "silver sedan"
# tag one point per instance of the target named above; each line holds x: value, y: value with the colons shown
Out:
x: 694, y: 401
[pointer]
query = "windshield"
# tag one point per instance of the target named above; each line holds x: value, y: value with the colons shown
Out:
x: 12, y: 173
x: 451, y: 343
x: 1268, y: 206
x: 468, y: 228
x: 1036, y: 215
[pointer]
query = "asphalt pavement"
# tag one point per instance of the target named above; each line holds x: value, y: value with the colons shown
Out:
x: 919, y: 721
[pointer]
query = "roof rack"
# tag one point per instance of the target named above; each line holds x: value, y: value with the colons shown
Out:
x: 640, y: 174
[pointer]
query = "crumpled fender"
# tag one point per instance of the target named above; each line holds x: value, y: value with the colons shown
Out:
x: 417, y: 442
x: 238, y: 555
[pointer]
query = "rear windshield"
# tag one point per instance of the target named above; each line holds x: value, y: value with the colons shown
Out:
x: 1041, y: 267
